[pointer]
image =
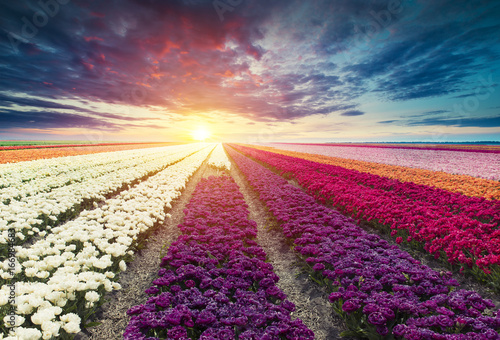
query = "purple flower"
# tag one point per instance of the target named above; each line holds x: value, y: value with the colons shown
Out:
x: 351, y: 305
x: 398, y: 330
x: 135, y: 310
x: 382, y: 330
x: 205, y: 318
x: 377, y: 318
x: 163, y: 300
x: 335, y: 296
x: 174, y: 317
x: 319, y: 266
x: 387, y: 313
x: 445, y: 311
x: 177, y: 332
x: 370, y: 308
x: 152, y: 290
x: 444, y: 321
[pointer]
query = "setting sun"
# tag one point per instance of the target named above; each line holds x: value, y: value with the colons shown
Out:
x: 201, y: 134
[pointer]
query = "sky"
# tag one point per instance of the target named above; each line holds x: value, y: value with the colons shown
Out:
x: 250, y: 70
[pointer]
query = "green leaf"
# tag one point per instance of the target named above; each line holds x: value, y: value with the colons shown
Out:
x: 70, y: 309
x: 92, y: 324
x: 349, y: 333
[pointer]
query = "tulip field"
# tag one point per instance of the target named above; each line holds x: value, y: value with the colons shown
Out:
x: 402, y: 242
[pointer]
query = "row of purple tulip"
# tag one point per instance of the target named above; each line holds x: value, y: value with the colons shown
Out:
x: 214, y: 282
x: 379, y: 290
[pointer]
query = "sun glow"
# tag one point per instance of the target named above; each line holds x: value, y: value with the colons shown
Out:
x: 201, y: 134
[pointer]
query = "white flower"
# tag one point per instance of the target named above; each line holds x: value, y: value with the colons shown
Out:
x: 46, y: 314
x: 50, y: 329
x: 39, y: 317
x: 218, y: 158
x: 35, y: 301
x: 54, y: 296
x: 92, y: 296
x: 6, y: 276
x: 27, y: 334
x: 30, y: 272
x: 72, y: 322
x: 72, y: 327
x: 70, y: 317
x: 108, y: 286
x: 43, y: 274
x: 123, y: 266
x: 13, y: 320
x: 102, y: 263
x: 24, y: 308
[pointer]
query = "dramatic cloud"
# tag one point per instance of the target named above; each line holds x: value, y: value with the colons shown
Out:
x: 265, y: 62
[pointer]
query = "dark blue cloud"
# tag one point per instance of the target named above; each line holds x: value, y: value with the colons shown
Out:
x: 427, y: 113
x: 352, y: 113
x: 481, y: 122
x: 34, y: 104
x: 478, y: 122
x: 15, y: 119
x: 435, y: 112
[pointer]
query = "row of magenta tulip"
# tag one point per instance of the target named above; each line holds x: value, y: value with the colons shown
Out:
x: 214, y: 282
x: 379, y: 290
x: 447, y: 225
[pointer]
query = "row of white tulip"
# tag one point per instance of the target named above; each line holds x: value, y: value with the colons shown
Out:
x: 18, y: 180
x: 15, y: 174
x: 32, y: 215
x: 63, y: 277
x: 218, y: 158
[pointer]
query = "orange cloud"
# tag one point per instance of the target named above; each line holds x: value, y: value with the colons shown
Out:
x: 87, y: 39
x: 88, y: 66
x: 227, y: 74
